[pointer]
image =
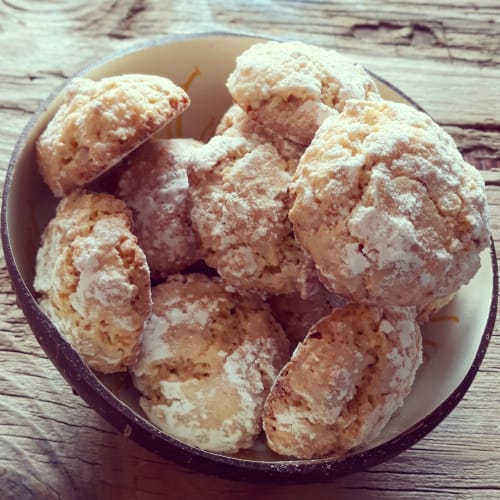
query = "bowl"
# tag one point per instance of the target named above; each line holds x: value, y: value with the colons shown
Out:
x: 455, y: 341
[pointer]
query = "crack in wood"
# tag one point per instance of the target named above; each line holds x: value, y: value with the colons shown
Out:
x: 15, y: 108
x: 79, y: 426
x: 482, y: 127
x: 24, y: 353
x: 13, y: 6
x: 134, y: 10
x: 16, y: 485
x: 125, y: 24
x: 412, y: 33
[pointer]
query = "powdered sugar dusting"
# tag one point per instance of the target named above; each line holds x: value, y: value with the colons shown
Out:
x: 207, y: 361
x: 399, y: 220
x: 89, y: 265
x: 269, y: 77
x: 155, y: 186
x: 239, y: 208
x: 388, y: 240
x: 344, y: 382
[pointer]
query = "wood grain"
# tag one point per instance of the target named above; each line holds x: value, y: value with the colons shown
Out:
x: 445, y: 55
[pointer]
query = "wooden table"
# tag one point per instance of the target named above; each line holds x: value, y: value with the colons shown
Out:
x: 446, y: 55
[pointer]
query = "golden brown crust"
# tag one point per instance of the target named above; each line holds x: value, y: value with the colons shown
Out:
x: 387, y: 207
x: 208, y: 358
x: 93, y: 280
x: 239, y: 196
x: 100, y: 122
x: 155, y: 187
x: 344, y: 382
x: 291, y: 87
x: 427, y: 311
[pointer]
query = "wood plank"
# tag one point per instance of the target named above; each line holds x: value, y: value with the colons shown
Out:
x: 444, y: 54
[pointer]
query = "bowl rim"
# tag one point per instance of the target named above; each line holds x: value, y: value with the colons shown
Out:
x: 86, y: 384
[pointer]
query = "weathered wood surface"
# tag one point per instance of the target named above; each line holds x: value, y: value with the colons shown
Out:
x: 446, y: 55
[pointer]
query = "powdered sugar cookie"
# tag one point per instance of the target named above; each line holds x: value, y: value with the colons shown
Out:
x: 344, y: 382
x: 236, y: 123
x: 387, y: 207
x: 155, y: 187
x: 239, y: 196
x: 94, y: 280
x: 291, y: 87
x: 208, y: 359
x: 100, y: 122
x: 296, y: 315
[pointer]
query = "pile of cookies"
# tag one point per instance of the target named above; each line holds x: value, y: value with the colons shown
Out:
x: 272, y: 279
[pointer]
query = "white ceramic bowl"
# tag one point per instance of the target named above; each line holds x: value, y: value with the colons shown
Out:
x: 454, y: 345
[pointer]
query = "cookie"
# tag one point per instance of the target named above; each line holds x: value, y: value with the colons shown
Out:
x: 291, y: 87
x: 344, y: 382
x: 387, y: 207
x: 296, y: 315
x: 239, y: 199
x: 93, y: 280
x: 100, y: 122
x: 155, y: 187
x: 208, y: 358
x: 236, y: 123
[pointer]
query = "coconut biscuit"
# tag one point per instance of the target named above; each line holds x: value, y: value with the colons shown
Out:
x: 239, y: 199
x: 236, y: 123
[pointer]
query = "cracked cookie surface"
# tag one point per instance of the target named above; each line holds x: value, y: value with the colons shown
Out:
x: 240, y: 202
x: 344, y: 382
x: 94, y: 280
x: 291, y: 87
x: 208, y: 358
x: 385, y: 190
x: 236, y: 123
x: 155, y: 187
x: 99, y: 122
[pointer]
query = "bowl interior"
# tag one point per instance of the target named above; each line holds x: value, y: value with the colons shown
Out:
x: 454, y: 341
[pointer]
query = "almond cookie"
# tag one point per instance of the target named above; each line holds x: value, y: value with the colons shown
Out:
x: 296, y: 315
x: 100, y: 122
x: 93, y: 280
x: 291, y: 87
x: 344, y: 382
x: 155, y: 187
x: 208, y: 358
x: 236, y: 123
x: 384, y: 190
x: 239, y: 197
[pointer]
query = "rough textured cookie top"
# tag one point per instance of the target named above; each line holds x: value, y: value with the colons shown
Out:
x: 291, y: 87
x: 387, y: 207
x: 99, y: 122
x: 208, y: 359
x: 94, y: 280
x: 155, y: 187
x: 344, y: 382
x: 239, y: 196
x: 236, y: 123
